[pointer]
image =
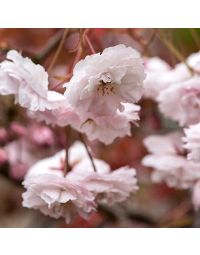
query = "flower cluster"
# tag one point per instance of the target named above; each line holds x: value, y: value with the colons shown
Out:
x: 99, y: 100
x: 176, y: 90
x: 79, y: 191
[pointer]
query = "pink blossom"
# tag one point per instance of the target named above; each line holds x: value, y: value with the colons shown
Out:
x: 60, y: 116
x: 28, y: 82
x: 52, y: 193
x: 57, y: 197
x: 160, y: 76
x: 18, y: 170
x: 168, y: 161
x: 41, y: 135
x: 20, y: 158
x: 56, y: 162
x: 107, y: 128
x: 108, y: 187
x: 102, y: 82
x: 164, y: 144
x: 84, y: 168
x: 18, y: 129
x: 22, y: 155
x: 181, y: 101
x: 155, y: 69
x: 192, y: 142
x: 19, y: 151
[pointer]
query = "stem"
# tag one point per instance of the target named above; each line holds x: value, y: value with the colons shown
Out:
x: 67, y: 78
x: 76, y: 59
x: 65, y: 33
x: 175, y: 52
x: 90, y: 44
x: 53, y: 42
x: 195, y: 36
x: 67, y: 136
x: 151, y: 39
x: 88, y: 152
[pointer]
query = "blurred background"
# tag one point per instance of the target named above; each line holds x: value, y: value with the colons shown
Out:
x: 23, y: 141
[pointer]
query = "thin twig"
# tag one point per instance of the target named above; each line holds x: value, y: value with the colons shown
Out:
x: 90, y: 44
x: 51, y: 45
x: 88, y: 152
x: 65, y: 33
x: 151, y: 39
x: 174, y: 51
x: 81, y: 36
x: 67, y: 143
x: 195, y: 36
x: 67, y: 78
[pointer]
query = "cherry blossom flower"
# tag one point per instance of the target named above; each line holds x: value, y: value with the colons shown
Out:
x: 109, y: 187
x: 28, y: 82
x: 22, y: 155
x: 102, y: 82
x: 52, y: 193
x: 169, y: 163
x: 181, y: 101
x: 155, y: 68
x: 160, y: 76
x: 57, y: 197
x: 104, y: 128
x: 84, y: 168
x: 60, y: 116
x: 18, y: 129
x: 104, y: 185
x: 192, y: 142
x: 18, y: 170
x: 77, y: 153
x: 19, y: 151
x: 40, y: 135
x: 107, y: 128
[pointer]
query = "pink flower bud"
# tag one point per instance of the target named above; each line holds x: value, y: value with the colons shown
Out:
x: 3, y: 157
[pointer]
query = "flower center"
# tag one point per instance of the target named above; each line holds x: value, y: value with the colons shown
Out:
x: 106, y: 86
